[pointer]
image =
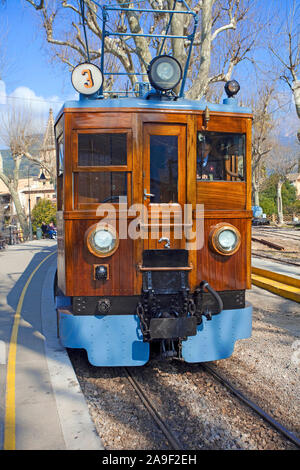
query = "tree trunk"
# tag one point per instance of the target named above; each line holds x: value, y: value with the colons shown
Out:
x: 255, y: 193
x: 296, y: 91
x: 12, y: 187
x: 20, y: 211
x: 279, y: 202
x: 177, y: 29
x: 200, y: 86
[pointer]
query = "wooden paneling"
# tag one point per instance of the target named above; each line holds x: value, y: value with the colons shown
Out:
x: 61, y: 273
x: 248, y: 124
x: 230, y: 201
x: 223, y: 123
x: 156, y: 232
x: 225, y: 272
x: 68, y: 162
x: 191, y: 160
x: 80, y: 262
x: 163, y: 117
x: 98, y: 120
x: 221, y: 195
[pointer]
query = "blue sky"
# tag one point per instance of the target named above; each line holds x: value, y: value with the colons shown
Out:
x: 29, y: 73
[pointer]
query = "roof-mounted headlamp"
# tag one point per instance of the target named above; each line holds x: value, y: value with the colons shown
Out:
x: 164, y: 73
x: 232, y: 88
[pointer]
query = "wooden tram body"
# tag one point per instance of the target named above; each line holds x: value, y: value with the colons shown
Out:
x: 106, y: 315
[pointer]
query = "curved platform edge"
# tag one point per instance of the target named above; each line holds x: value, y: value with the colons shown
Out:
x: 78, y: 430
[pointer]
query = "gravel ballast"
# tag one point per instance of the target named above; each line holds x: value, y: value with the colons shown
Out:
x: 201, y: 412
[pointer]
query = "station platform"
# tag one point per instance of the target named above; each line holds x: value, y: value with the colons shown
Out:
x: 41, y: 403
x: 281, y: 279
x: 280, y: 268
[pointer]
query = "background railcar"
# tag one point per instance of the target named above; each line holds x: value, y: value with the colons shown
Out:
x: 154, y: 228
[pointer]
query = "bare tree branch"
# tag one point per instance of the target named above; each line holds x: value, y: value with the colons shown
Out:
x: 132, y: 54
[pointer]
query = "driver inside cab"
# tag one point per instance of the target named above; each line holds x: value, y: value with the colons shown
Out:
x: 209, y: 166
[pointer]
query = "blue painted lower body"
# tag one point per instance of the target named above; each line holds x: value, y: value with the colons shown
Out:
x: 117, y: 340
x: 215, y: 338
x: 110, y: 340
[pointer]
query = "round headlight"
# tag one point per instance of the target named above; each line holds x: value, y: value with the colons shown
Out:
x: 225, y: 239
x: 232, y: 88
x: 102, y: 240
x: 164, y: 73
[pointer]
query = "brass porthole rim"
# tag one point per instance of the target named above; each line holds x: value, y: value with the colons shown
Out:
x: 213, y: 237
x: 89, y: 239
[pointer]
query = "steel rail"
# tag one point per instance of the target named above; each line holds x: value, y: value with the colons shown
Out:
x: 281, y: 235
x: 277, y: 233
x: 275, y: 424
x: 176, y: 445
x: 257, y: 255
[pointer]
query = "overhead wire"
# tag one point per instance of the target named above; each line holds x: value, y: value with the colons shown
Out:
x: 29, y: 99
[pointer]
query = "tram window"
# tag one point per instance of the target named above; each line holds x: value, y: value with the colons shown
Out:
x: 164, y: 168
x: 102, y: 149
x: 60, y: 174
x: 220, y: 156
x: 60, y: 157
x: 100, y: 187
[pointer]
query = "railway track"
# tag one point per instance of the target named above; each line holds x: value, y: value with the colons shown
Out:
x: 257, y: 409
x: 163, y: 426
x: 277, y: 232
x: 258, y: 255
x: 178, y: 407
x: 167, y: 431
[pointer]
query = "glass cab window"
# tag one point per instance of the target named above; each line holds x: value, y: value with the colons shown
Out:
x: 220, y: 156
x: 164, y: 168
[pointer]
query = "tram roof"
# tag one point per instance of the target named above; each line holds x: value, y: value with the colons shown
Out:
x: 229, y: 105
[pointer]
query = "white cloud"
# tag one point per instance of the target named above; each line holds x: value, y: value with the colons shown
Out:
x: 25, y: 98
x: 39, y: 105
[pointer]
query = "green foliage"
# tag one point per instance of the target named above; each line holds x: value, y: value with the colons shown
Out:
x: 267, y: 204
x: 294, y: 208
x: 288, y: 195
x: 43, y: 211
x: 268, y: 197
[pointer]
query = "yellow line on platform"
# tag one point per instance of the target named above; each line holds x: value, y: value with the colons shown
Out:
x: 280, y: 284
x: 10, y: 406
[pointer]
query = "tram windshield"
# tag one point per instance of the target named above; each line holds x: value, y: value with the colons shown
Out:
x: 164, y: 168
x: 220, y: 156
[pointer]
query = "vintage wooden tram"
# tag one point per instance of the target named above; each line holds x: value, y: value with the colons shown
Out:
x: 154, y: 223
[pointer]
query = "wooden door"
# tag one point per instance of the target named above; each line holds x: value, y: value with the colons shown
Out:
x: 164, y: 185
